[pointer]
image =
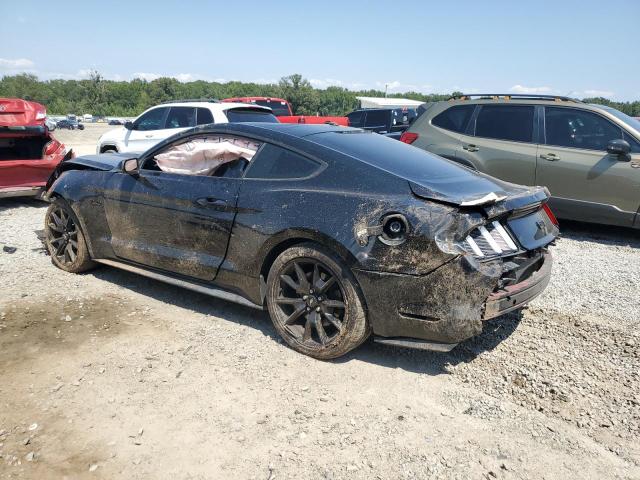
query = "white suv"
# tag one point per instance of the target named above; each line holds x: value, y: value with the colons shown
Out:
x: 162, y: 121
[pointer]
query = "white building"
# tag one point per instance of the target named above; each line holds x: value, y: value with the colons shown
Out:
x: 386, y: 102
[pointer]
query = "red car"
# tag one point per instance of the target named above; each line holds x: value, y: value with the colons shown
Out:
x: 28, y: 152
x: 282, y: 109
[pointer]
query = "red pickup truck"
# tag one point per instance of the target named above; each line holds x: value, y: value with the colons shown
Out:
x: 28, y: 152
x: 282, y: 109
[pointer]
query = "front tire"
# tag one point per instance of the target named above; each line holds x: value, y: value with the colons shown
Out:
x: 314, y: 302
x: 64, y: 239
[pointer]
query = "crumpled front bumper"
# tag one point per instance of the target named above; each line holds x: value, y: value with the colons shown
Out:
x: 515, y: 296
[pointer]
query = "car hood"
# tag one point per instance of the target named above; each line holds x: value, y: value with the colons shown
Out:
x: 15, y: 112
x: 104, y: 162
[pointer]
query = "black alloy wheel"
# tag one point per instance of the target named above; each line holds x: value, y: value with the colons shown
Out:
x: 315, y: 303
x: 313, y: 300
x: 64, y: 239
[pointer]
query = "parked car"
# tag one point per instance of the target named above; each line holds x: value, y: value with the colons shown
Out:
x: 587, y: 155
x: 116, y: 121
x: 338, y: 232
x: 50, y: 124
x: 387, y: 121
x: 70, y: 124
x: 169, y: 118
x: 282, y: 109
x: 28, y: 151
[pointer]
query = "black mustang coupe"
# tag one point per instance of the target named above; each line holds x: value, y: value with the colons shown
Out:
x: 340, y: 233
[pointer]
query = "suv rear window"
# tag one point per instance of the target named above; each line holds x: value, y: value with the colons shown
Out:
x: 279, y: 108
x: 250, y: 115
x: 506, y: 122
x: 204, y: 116
x: 455, y: 118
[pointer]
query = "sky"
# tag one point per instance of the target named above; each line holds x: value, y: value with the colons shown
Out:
x: 578, y: 48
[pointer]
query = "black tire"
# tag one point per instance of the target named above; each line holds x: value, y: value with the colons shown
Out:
x: 64, y: 239
x: 314, y: 302
x: 110, y: 150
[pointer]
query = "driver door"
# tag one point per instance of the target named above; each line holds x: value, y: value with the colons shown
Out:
x: 173, y: 222
x: 586, y: 182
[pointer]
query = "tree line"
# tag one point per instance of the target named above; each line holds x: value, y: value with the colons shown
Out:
x: 102, y: 97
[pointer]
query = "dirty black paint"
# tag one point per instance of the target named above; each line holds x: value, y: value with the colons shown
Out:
x: 424, y: 286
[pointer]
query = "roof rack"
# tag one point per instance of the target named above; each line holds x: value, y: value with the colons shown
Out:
x: 189, y: 100
x: 508, y: 96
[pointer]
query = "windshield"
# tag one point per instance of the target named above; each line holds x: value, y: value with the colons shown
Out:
x: 280, y: 109
x: 250, y: 115
x: 632, y: 122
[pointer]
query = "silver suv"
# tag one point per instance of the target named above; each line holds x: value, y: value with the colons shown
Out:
x: 587, y: 155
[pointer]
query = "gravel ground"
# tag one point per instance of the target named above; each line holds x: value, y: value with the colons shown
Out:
x: 109, y: 375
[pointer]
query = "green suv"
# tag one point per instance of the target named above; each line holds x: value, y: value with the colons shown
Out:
x: 587, y: 155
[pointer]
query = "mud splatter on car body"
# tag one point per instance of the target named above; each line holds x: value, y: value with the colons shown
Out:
x: 430, y: 242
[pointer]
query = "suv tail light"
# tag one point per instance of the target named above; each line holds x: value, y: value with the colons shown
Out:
x: 408, y: 137
x: 550, y: 214
x: 51, y: 147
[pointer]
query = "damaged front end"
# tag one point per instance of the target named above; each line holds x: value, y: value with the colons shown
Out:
x: 460, y: 261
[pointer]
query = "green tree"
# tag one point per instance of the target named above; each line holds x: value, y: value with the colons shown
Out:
x: 301, y: 95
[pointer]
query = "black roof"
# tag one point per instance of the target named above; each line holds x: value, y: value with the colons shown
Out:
x: 292, y: 129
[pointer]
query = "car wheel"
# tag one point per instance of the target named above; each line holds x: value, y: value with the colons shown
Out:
x: 315, y: 304
x: 65, y: 240
x: 110, y: 150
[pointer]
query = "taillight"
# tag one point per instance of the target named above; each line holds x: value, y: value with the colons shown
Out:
x: 408, y: 137
x: 52, y: 147
x: 41, y: 115
x: 550, y: 214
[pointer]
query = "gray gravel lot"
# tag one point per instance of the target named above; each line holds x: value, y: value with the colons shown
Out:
x: 109, y: 375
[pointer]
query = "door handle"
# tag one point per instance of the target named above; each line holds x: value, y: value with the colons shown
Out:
x: 149, y: 136
x: 552, y: 157
x: 211, y: 202
x: 470, y: 148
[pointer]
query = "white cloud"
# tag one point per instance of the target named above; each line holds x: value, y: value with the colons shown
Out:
x: 530, y: 90
x: 146, y: 76
x: 15, y: 63
x: 598, y: 93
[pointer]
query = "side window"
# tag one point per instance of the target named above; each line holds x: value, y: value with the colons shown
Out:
x: 506, y: 122
x: 209, y: 155
x: 573, y: 128
x: 277, y: 163
x: 455, y: 118
x: 356, y: 119
x: 204, y: 116
x: 181, y: 117
x: 377, y: 118
x: 152, y: 120
x: 635, y: 145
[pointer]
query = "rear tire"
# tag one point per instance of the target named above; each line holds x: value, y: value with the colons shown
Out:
x: 314, y: 302
x: 64, y: 239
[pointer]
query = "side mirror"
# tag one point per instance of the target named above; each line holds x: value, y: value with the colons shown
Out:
x: 621, y: 148
x: 129, y: 125
x: 130, y: 166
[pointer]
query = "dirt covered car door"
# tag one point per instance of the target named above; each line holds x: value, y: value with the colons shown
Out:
x: 174, y: 219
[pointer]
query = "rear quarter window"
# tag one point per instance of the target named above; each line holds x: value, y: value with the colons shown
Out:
x: 455, y: 118
x: 278, y: 163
